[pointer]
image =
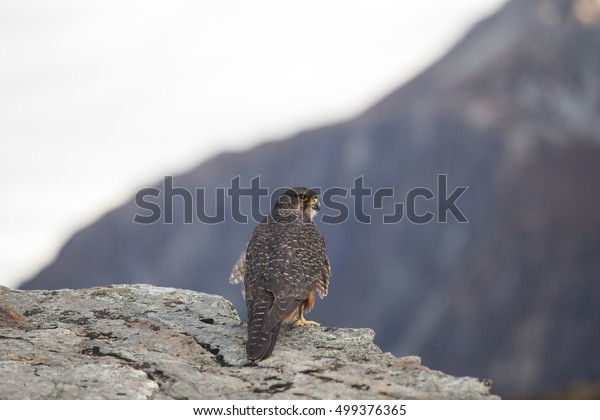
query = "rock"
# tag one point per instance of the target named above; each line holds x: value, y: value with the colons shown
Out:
x: 146, y: 342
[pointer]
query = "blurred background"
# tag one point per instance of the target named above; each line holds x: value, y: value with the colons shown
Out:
x: 100, y: 100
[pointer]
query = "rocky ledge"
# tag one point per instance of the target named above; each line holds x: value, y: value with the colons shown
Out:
x: 146, y: 342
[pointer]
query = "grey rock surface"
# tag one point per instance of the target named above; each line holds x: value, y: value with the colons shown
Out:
x: 146, y: 342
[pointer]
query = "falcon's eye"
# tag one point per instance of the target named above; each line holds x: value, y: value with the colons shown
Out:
x: 313, y: 200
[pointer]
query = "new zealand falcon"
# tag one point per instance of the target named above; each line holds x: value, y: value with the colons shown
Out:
x: 284, y: 264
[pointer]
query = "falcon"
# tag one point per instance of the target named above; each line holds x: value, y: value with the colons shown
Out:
x: 283, y: 266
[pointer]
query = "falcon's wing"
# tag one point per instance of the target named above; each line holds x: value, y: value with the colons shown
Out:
x: 238, y: 272
x: 295, y: 272
x: 283, y: 265
x: 322, y: 285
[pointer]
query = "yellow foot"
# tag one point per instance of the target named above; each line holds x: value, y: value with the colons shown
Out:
x: 302, y: 322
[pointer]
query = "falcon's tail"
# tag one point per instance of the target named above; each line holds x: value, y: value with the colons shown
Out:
x: 261, y: 340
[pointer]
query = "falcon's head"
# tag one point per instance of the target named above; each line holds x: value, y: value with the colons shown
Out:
x: 298, y: 200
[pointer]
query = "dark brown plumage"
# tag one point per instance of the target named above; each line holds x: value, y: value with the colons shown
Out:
x: 284, y: 263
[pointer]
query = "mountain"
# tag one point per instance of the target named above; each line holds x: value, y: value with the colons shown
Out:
x: 512, y: 112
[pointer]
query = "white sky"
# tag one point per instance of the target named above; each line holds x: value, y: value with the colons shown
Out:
x: 99, y: 99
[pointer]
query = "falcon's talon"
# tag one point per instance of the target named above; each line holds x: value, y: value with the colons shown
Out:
x: 302, y: 322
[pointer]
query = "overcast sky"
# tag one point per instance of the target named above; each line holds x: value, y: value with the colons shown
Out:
x: 99, y: 99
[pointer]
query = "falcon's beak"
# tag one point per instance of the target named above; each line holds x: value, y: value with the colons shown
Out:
x: 316, y: 206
